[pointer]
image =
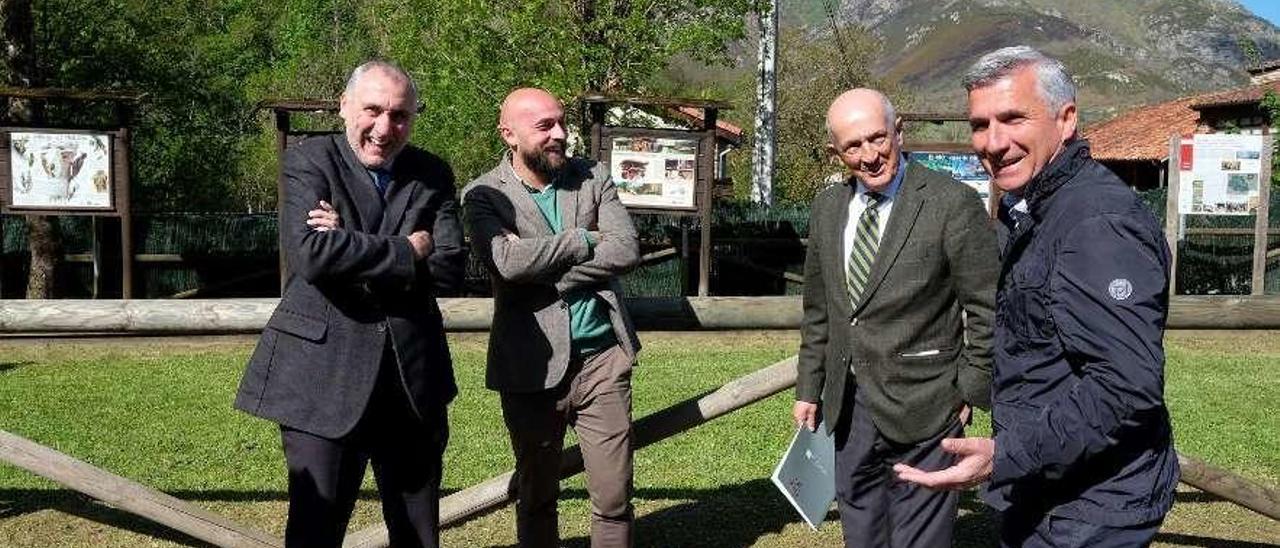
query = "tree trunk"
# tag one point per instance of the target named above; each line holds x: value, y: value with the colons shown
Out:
x: 43, y: 240
x: 17, y: 49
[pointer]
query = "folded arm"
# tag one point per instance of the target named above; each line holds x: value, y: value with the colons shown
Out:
x: 540, y: 259
x: 335, y: 255
x: 617, y: 249
x: 446, y: 264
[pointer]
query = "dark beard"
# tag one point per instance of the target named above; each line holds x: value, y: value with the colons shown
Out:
x: 540, y: 163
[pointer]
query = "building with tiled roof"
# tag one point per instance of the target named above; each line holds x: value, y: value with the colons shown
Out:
x: 1135, y: 144
x: 1142, y: 134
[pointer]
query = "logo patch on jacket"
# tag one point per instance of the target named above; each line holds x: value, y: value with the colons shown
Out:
x: 1120, y: 289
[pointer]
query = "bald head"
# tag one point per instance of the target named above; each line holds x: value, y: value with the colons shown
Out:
x: 524, y: 102
x: 531, y: 122
x: 866, y: 136
x: 861, y: 100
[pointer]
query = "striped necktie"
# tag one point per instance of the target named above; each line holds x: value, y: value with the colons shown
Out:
x: 865, y: 243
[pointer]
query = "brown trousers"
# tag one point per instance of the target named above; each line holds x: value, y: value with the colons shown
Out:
x: 595, y: 398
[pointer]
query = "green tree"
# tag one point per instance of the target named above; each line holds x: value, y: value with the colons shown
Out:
x: 812, y: 71
x: 17, y: 48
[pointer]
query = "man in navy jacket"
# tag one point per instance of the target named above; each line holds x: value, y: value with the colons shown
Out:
x: 1083, y: 452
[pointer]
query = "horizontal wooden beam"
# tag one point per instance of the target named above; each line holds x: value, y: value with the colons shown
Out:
x: 72, y: 94
x: 219, y: 316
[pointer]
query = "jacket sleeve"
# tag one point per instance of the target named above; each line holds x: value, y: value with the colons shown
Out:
x: 974, y: 265
x: 618, y: 250
x: 1109, y: 303
x: 335, y: 255
x: 810, y: 367
x: 539, y: 259
x: 447, y: 262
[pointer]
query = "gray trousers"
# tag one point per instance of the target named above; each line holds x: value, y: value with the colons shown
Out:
x: 595, y: 398
x: 877, y: 510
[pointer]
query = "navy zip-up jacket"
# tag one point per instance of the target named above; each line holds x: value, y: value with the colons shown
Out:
x: 1081, y: 429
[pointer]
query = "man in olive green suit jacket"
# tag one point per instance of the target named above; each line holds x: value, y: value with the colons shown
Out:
x: 888, y: 362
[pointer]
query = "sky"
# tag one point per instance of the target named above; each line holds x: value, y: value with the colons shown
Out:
x: 1266, y: 9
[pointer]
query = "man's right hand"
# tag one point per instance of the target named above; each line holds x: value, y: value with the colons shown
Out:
x: 806, y: 414
x: 324, y: 218
x: 421, y: 243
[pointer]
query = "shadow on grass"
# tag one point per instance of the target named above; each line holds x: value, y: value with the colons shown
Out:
x: 17, y: 502
x: 738, y: 515
x: 727, y: 516
x: 1208, y: 542
x: 7, y: 366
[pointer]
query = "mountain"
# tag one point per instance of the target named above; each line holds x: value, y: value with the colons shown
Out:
x: 1121, y: 52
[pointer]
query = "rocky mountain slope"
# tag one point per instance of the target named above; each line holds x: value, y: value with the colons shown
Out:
x: 1122, y: 52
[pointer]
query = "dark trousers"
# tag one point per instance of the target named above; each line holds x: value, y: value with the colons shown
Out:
x: 405, y: 450
x: 877, y: 510
x: 1045, y: 531
x: 595, y: 397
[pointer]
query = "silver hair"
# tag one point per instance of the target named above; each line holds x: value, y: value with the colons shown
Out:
x: 1052, y: 79
x: 890, y: 117
x: 384, y: 66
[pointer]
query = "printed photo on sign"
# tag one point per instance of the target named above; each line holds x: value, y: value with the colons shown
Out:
x: 654, y: 172
x: 60, y: 170
x: 963, y: 167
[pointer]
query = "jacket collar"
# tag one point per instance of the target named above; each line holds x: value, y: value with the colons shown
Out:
x: 1074, y: 155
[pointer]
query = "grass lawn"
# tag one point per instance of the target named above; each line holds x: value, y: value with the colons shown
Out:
x: 159, y: 411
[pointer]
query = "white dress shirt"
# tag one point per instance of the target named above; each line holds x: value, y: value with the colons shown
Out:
x: 858, y: 203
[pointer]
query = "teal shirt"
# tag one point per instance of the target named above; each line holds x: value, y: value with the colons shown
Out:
x: 589, y: 327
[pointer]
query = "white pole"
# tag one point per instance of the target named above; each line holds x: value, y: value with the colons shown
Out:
x: 762, y: 168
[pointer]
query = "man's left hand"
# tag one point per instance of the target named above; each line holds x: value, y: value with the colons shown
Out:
x: 972, y: 467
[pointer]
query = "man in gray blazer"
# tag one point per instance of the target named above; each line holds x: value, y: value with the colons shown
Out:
x: 555, y: 239
x: 353, y: 364
x: 888, y: 362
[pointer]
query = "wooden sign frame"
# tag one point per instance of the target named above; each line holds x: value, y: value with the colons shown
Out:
x: 121, y: 166
x: 597, y: 107
x: 1262, y: 217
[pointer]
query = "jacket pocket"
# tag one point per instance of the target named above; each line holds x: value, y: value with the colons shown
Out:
x: 1028, y: 301
x: 298, y: 325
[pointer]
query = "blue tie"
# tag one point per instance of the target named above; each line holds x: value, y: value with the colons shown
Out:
x: 381, y: 180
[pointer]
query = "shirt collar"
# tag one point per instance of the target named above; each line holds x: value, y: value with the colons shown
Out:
x: 384, y: 168
x: 890, y: 191
x: 1014, y: 202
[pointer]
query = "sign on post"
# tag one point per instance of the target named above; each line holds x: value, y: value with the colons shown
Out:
x: 1221, y: 175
